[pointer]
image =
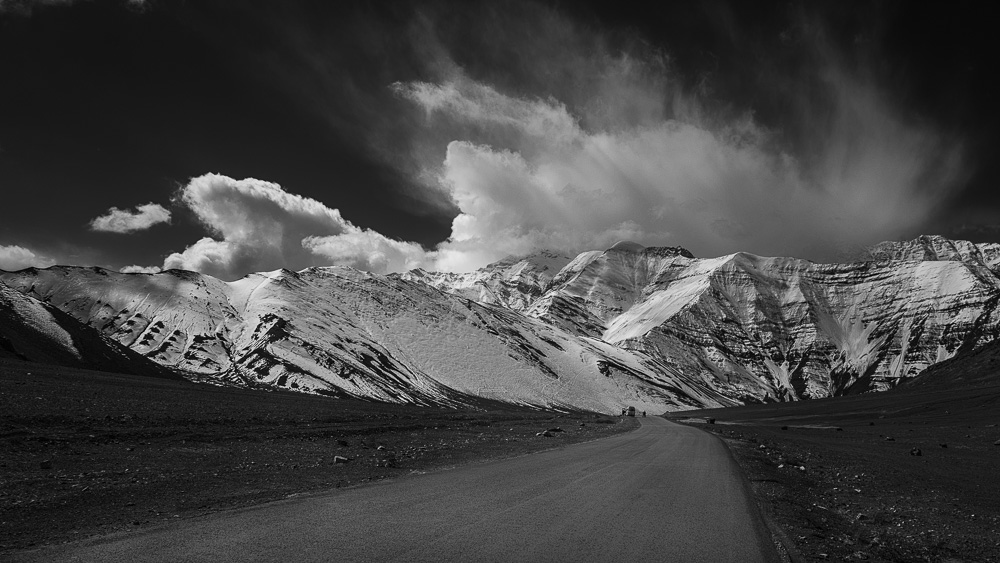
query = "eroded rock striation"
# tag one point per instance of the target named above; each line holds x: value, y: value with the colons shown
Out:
x: 653, y: 327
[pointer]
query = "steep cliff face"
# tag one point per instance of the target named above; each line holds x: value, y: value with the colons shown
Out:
x: 789, y: 329
x: 653, y: 327
x: 757, y: 328
x: 937, y: 248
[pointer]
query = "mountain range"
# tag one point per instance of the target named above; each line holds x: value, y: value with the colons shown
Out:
x: 652, y: 327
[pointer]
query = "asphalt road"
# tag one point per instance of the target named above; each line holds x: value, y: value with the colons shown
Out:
x: 664, y: 492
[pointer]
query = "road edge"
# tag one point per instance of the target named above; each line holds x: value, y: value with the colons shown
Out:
x: 783, y: 545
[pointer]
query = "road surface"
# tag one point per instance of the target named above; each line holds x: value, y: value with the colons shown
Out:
x: 663, y: 492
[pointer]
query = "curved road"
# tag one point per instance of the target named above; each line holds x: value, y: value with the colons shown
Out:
x: 664, y: 492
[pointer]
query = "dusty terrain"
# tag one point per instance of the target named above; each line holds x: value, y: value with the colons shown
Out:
x: 637, y: 496
x: 90, y: 453
x: 897, y: 476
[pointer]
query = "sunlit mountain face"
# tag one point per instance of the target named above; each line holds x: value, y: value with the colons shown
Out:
x: 654, y: 327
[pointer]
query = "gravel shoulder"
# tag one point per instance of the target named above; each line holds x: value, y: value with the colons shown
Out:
x: 880, y: 477
x: 90, y: 453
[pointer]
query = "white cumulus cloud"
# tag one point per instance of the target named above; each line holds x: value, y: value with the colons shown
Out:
x: 544, y: 180
x: 257, y: 226
x: 140, y: 270
x: 129, y: 221
x: 14, y: 257
x: 368, y: 250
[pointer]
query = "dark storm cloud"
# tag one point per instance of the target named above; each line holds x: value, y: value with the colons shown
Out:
x: 536, y: 128
x: 588, y: 143
x: 486, y: 129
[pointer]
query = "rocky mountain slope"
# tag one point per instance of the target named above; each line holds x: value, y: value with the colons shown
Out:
x: 653, y: 327
x: 37, y: 332
x: 342, y: 332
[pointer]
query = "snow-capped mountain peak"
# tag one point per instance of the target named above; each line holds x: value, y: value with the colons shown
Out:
x: 650, y: 326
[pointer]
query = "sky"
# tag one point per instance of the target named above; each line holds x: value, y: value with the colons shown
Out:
x: 233, y: 137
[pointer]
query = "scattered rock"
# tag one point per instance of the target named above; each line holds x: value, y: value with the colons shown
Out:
x: 839, y: 429
x: 784, y: 428
x: 554, y: 429
x: 915, y: 451
x: 380, y: 448
x: 710, y: 420
x: 343, y: 443
x: 340, y: 459
x: 997, y: 443
x: 545, y: 434
x: 890, y: 439
x: 46, y: 464
x: 943, y: 445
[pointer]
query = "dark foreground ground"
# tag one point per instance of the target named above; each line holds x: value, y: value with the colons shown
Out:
x: 88, y: 453
x: 663, y: 493
x: 899, y: 476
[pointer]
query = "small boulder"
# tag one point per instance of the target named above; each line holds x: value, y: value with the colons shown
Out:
x: 338, y: 459
x: 943, y: 445
x: 997, y: 443
x: 710, y: 420
x: 46, y: 464
x: 915, y: 451
x: 554, y: 429
x: 784, y: 428
x: 890, y: 439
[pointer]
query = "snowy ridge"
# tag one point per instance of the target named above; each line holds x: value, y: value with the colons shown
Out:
x: 937, y: 248
x: 652, y: 327
x: 342, y: 332
x: 31, y: 330
x: 513, y: 282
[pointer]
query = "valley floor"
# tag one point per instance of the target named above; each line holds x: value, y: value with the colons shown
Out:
x: 899, y: 476
x: 88, y: 453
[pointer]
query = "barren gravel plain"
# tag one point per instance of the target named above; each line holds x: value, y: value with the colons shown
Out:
x: 896, y: 476
x: 88, y: 453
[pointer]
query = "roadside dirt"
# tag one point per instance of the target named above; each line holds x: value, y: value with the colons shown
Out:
x: 88, y: 453
x: 881, y: 477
